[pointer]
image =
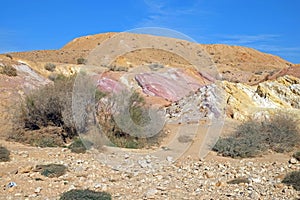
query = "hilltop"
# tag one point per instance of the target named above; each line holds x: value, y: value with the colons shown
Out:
x: 235, y: 63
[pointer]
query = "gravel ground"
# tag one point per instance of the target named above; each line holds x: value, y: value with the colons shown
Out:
x: 183, y: 179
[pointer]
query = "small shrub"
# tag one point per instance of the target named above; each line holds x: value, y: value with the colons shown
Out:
x: 246, y: 142
x: 156, y: 66
x: 48, y: 110
x: 297, y: 155
x: 118, y: 68
x: 131, y: 144
x: 81, y: 61
x: 51, y: 170
x: 85, y: 195
x: 50, y: 67
x: 99, y: 95
x: 79, y: 146
x: 258, y: 72
x: 52, y: 76
x: 58, y: 77
x: 253, y: 138
x: 238, y: 181
x: 4, y: 154
x: 9, y: 56
x: 48, y: 106
x: 293, y: 179
x: 8, y: 70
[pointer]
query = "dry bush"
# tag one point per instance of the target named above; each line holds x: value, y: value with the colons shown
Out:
x: 50, y: 67
x: 252, y: 138
x: 81, y: 61
x: 282, y: 133
x: 49, y: 106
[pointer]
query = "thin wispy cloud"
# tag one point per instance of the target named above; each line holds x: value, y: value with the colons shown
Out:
x: 275, y: 48
x: 167, y: 14
x: 287, y: 52
x: 263, y: 42
x: 247, y: 39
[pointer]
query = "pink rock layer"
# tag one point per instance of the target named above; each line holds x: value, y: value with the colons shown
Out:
x: 172, y: 85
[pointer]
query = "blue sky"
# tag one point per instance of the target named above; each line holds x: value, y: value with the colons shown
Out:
x: 271, y: 26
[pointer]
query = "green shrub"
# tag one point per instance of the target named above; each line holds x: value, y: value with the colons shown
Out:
x: 293, y: 179
x: 253, y: 138
x: 79, y: 146
x: 85, y: 195
x: 81, y: 61
x: 4, y: 154
x: 8, y: 70
x: 51, y: 170
x: 99, y: 95
x: 50, y: 67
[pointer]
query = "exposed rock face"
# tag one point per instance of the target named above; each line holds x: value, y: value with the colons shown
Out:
x: 109, y: 85
x: 258, y: 101
x: 171, y: 85
x: 241, y: 67
x: 192, y: 101
x: 206, y: 102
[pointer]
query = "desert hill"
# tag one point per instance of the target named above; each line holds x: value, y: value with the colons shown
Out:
x: 255, y: 86
x: 235, y: 63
